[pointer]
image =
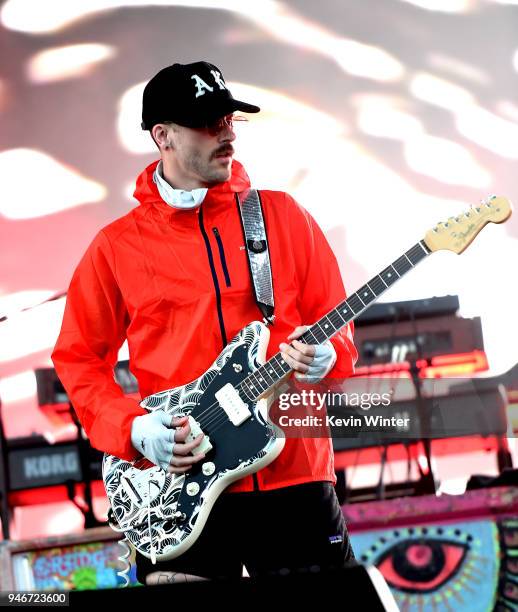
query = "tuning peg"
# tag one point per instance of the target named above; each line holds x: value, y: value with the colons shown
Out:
x: 487, y: 201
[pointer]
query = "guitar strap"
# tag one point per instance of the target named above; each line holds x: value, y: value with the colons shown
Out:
x: 254, y: 230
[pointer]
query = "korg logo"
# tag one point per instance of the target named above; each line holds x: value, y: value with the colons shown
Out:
x: 43, y: 466
x: 65, y: 464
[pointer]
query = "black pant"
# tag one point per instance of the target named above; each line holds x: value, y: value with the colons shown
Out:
x: 293, y: 529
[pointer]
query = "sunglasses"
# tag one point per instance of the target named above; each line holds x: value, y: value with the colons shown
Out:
x: 229, y: 121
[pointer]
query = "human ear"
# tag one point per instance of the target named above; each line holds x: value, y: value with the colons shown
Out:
x: 161, y: 137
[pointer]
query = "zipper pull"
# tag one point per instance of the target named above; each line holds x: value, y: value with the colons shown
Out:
x: 216, y: 233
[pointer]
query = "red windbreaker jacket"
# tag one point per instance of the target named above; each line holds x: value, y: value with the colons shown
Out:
x: 148, y: 276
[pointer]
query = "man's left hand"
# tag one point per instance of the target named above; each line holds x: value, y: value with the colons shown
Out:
x: 311, y: 362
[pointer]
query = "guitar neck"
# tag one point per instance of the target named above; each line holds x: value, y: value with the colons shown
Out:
x: 269, y: 374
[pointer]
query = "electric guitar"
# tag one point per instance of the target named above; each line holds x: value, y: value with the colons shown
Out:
x: 163, y: 514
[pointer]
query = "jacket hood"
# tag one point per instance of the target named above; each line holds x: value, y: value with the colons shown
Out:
x: 146, y: 191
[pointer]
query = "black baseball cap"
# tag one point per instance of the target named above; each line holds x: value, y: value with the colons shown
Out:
x: 193, y: 95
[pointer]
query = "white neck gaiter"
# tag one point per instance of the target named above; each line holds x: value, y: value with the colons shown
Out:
x: 177, y: 198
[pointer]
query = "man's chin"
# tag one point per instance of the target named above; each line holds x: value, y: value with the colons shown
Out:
x: 221, y: 175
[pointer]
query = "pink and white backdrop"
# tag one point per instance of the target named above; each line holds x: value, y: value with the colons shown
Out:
x: 381, y: 117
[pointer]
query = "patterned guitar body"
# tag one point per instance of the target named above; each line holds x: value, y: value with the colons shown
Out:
x: 163, y: 514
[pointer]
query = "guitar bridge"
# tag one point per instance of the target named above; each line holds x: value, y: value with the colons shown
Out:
x: 137, y: 485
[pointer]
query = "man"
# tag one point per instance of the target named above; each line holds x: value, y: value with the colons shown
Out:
x: 172, y: 276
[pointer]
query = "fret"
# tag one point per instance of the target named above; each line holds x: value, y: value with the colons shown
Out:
x: 318, y: 336
x: 377, y: 285
x: 276, y: 362
x: 268, y: 373
x: 355, y: 303
x: 323, y: 329
x: 328, y: 326
x: 248, y: 387
x: 244, y: 390
x: 270, y: 370
x: 309, y: 336
x: 345, y: 311
x: 389, y: 276
x: 366, y: 295
x: 336, y: 318
x: 402, y: 265
x: 416, y: 254
x: 321, y: 334
x: 253, y: 386
x: 424, y: 246
x: 259, y: 380
x: 281, y: 364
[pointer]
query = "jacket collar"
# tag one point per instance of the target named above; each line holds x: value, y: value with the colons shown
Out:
x: 177, y: 198
x: 146, y: 192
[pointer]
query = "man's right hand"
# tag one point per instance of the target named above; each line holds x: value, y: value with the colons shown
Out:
x: 161, y: 439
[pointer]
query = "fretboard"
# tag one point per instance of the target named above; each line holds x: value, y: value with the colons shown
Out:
x: 269, y: 374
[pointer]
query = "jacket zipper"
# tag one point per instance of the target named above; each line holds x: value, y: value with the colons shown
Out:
x: 217, y: 289
x: 214, y: 278
x: 222, y: 256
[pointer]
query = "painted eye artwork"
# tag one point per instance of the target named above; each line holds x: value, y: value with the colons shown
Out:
x: 422, y: 565
x: 451, y: 566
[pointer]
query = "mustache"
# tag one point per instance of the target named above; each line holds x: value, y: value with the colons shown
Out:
x: 224, y: 150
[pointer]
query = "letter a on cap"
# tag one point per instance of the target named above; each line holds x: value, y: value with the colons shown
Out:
x: 200, y: 85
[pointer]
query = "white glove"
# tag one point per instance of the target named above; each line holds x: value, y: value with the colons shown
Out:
x: 323, y: 362
x: 153, y: 436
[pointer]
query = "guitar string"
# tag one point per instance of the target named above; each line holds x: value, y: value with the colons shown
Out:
x: 216, y: 414
x: 310, y: 336
x: 328, y: 316
x: 220, y: 418
x: 217, y: 419
x: 334, y: 311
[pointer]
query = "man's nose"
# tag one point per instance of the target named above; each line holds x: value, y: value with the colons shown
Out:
x: 227, y: 134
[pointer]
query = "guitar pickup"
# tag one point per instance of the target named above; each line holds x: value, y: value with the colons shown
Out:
x: 231, y: 402
x: 205, y: 445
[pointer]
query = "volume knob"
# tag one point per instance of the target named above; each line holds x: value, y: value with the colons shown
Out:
x: 208, y: 468
x: 193, y: 488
